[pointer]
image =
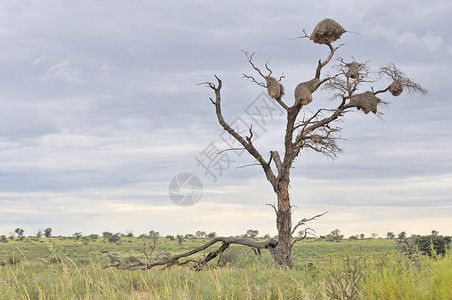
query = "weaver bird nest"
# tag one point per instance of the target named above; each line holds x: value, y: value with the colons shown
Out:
x: 366, y: 101
x: 326, y: 32
x: 353, y: 70
x: 274, y: 89
x: 396, y: 88
x: 303, y: 91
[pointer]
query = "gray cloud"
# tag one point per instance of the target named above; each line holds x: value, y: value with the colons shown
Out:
x: 103, y: 96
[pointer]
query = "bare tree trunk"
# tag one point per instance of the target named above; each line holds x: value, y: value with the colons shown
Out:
x: 283, y: 250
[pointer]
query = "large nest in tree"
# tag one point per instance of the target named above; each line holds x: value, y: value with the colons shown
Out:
x: 303, y: 94
x: 316, y: 139
x: 312, y: 84
x: 326, y: 32
x: 396, y: 88
x: 366, y: 101
x: 274, y: 89
x: 353, y: 70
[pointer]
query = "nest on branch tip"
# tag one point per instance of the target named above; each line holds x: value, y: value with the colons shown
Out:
x: 274, y: 89
x: 366, y: 101
x: 353, y: 70
x: 326, y: 32
x: 396, y: 88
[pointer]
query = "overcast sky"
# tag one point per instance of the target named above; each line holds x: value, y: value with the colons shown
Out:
x: 100, y: 109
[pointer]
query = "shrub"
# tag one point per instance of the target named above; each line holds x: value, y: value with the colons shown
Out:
x: 431, y: 244
x: 114, y: 238
x: 407, y: 247
x: 343, y: 278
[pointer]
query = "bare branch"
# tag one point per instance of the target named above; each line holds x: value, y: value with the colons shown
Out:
x: 301, y: 37
x: 327, y: 60
x: 226, y: 241
x: 277, y: 160
x: 304, y: 221
x: 120, y: 264
x: 396, y: 75
x: 231, y: 149
x: 209, y: 84
x: 250, y: 60
x: 251, y: 134
x: 248, y: 165
x: 283, y: 105
x: 305, y: 233
x: 268, y: 80
x: 245, y: 142
x: 268, y: 69
x: 272, y: 205
x: 381, y: 91
x: 254, y: 80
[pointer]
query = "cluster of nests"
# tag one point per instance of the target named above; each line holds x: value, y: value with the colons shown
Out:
x: 326, y: 32
x: 368, y: 102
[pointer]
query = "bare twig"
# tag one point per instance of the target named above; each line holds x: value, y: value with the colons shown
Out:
x: 254, y: 80
x: 305, y: 233
x: 304, y: 221
x: 250, y: 60
x: 302, y: 36
x: 272, y: 205
x: 231, y: 149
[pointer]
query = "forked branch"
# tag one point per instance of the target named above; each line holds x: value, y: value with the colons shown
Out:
x: 304, y: 221
x: 322, y: 64
x: 245, y: 142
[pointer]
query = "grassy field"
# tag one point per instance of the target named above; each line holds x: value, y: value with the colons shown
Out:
x: 65, y: 268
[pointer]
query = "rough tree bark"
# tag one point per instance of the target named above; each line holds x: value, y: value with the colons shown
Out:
x: 314, y: 131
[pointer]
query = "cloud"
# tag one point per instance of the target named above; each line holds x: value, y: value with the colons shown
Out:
x: 63, y: 71
x: 428, y: 40
x: 38, y: 61
x: 100, y: 109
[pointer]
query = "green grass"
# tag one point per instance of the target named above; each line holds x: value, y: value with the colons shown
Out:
x: 364, y: 269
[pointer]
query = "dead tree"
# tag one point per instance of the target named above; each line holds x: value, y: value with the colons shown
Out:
x: 319, y: 131
x: 352, y: 87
